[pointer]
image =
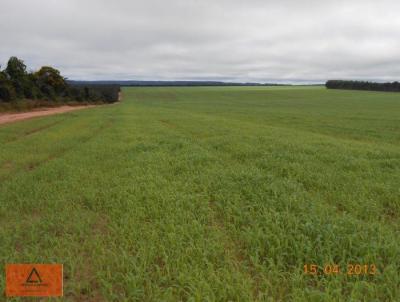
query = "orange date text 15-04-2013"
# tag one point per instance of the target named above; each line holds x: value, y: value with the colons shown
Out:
x: 336, y: 269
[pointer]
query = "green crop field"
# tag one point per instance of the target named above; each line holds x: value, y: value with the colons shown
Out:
x: 209, y: 194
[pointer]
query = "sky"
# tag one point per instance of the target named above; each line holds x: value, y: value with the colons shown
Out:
x: 293, y: 41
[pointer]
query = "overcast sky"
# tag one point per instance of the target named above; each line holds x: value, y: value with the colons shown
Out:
x: 239, y: 40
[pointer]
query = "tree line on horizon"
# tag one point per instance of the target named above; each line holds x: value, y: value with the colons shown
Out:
x: 363, y: 85
x: 47, y: 84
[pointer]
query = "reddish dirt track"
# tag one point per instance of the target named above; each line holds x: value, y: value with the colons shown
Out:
x: 15, y: 117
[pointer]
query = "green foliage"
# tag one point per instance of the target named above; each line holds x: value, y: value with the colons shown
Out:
x: 50, y: 80
x: 363, y: 85
x: 209, y: 194
x: 93, y: 93
x: 76, y: 93
x: 16, y: 68
x: 34, y: 91
x: 16, y: 73
x: 3, y: 76
x: 7, y: 91
x: 48, y: 84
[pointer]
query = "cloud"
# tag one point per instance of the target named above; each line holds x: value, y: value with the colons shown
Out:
x: 252, y: 40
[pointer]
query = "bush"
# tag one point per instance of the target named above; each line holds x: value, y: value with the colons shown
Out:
x: 75, y: 94
x: 7, y: 92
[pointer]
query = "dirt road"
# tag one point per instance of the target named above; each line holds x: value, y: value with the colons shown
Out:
x: 14, y: 117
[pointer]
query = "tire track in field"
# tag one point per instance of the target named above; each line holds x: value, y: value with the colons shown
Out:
x: 83, y: 140
x: 33, y: 131
x: 59, y: 154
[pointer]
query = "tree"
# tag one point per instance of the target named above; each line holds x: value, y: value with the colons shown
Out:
x: 32, y: 90
x: 3, y: 76
x: 16, y: 69
x: 16, y: 73
x: 76, y: 93
x: 49, y: 79
x: 7, y: 91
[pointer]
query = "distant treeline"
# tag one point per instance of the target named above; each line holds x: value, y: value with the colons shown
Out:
x: 363, y: 85
x: 170, y: 83
x: 47, y: 84
x: 108, y: 93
